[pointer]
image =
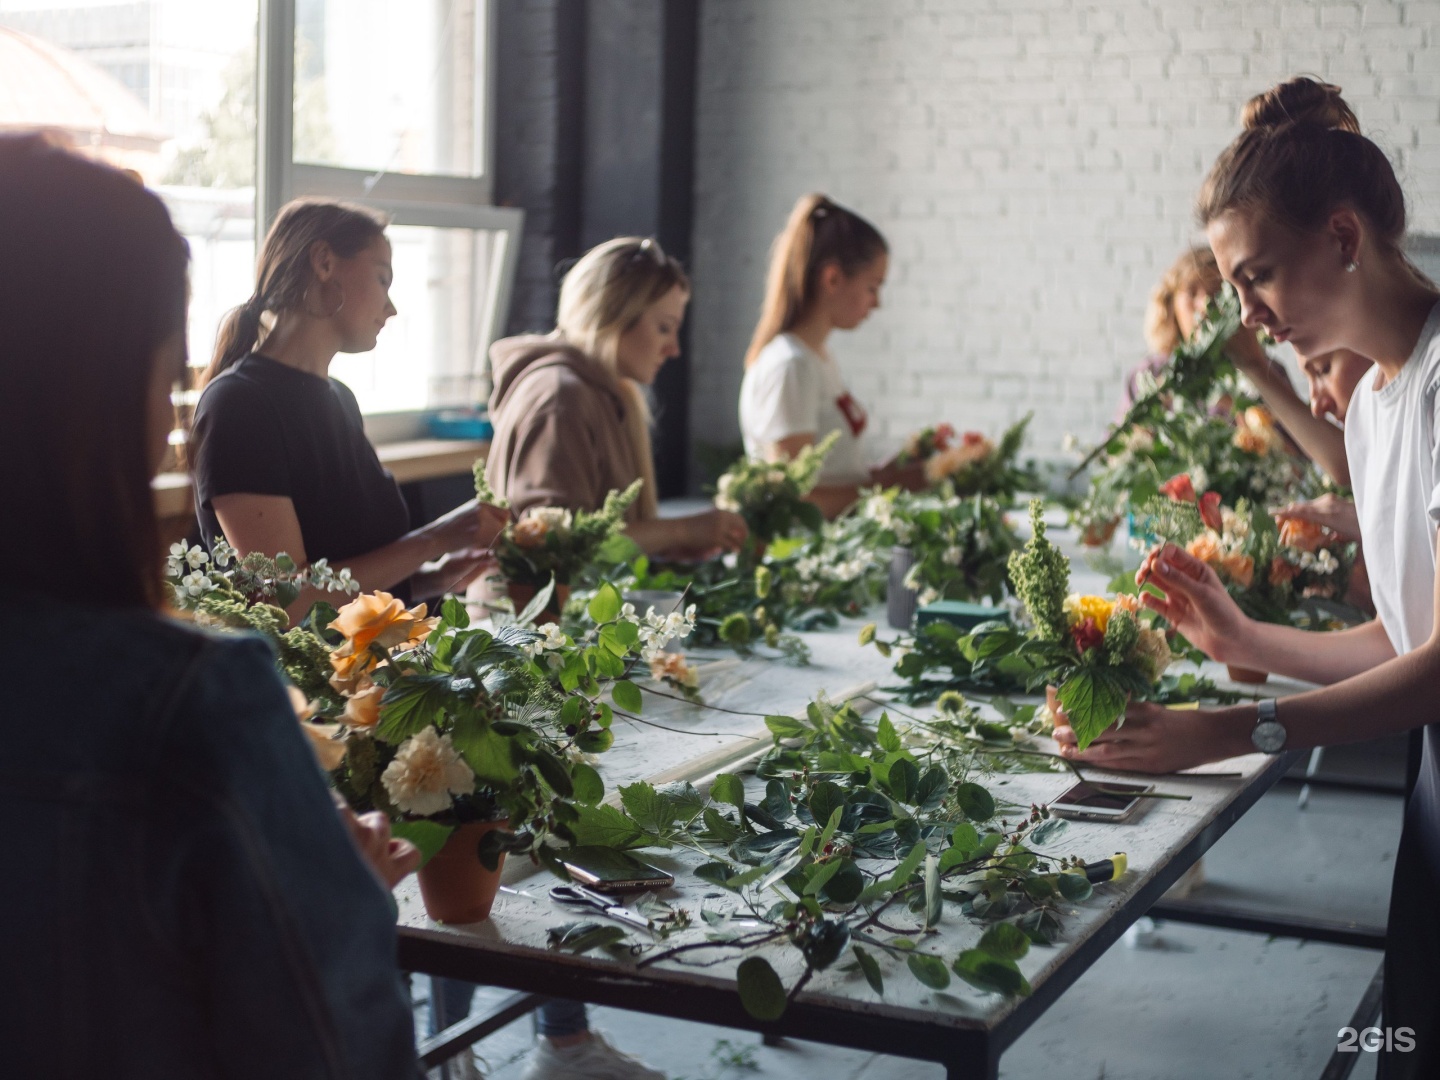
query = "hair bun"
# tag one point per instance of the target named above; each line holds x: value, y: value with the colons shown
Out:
x: 1301, y: 100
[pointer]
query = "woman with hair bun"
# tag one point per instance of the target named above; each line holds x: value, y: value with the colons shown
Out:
x: 571, y: 419
x: 826, y: 270
x: 1307, y: 221
x: 281, y: 461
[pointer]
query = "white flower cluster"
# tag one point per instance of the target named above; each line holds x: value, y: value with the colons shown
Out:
x: 554, y: 518
x: 198, y: 561
x: 732, y: 491
x: 881, y: 510
x: 1322, y: 561
x: 813, y: 569
x: 321, y: 576
x: 657, y: 631
x: 549, y: 643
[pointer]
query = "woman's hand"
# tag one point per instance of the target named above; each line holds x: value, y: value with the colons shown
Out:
x: 713, y: 531
x: 452, y: 573
x: 1195, y: 602
x: 1330, y: 511
x: 392, y: 859
x: 1153, y: 739
x: 910, y: 477
x: 1247, y: 354
x: 471, y: 525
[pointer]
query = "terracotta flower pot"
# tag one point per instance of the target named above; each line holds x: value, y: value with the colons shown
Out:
x: 1246, y: 675
x: 1099, y: 534
x: 454, y: 884
x: 521, y: 594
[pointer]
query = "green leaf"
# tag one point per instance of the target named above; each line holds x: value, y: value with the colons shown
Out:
x: 538, y: 603
x: 1074, y: 887
x: 934, y: 903
x: 411, y: 703
x: 428, y: 836
x: 595, y: 741
x: 453, y: 611
x: 825, y: 799
x: 901, y: 875
x: 933, y: 788
x: 828, y: 833
x: 589, y: 788
x: 605, y: 604
x: 846, y: 885
x: 761, y: 992
x: 1092, y: 701
x: 871, y: 967
x: 886, y: 735
x: 649, y: 809
x: 985, y: 972
x: 607, y: 664
x: 904, y: 780
x: 786, y: 727
x: 626, y: 632
x: 584, y: 936
x: 929, y: 969
x: 489, y: 753
x: 627, y: 695
x: 1005, y: 941
x: 574, y: 711
x: 605, y: 826
x: 823, y: 872
x: 554, y: 772
x: 1047, y: 830
x: 719, y: 828
x: 975, y: 802
x: 728, y: 788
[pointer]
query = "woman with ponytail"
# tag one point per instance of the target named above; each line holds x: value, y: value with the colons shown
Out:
x: 826, y: 270
x: 1307, y: 219
x: 569, y: 408
x: 281, y: 458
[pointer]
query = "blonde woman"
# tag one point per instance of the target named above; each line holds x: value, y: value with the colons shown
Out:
x: 570, y: 413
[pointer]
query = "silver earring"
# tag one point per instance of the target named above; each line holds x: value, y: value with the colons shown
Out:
x: 1351, y: 266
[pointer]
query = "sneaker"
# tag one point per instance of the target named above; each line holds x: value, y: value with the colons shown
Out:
x: 593, y: 1059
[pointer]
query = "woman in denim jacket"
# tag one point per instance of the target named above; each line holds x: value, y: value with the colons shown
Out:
x: 181, y: 898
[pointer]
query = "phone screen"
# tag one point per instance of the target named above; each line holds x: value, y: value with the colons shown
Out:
x: 1116, y: 797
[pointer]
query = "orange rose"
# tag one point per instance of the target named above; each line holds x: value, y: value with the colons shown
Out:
x: 370, y: 622
x: 1206, y: 548
x: 530, y: 532
x: 1305, y: 535
x: 1250, y: 442
x: 329, y: 750
x: 1282, y: 570
x: 362, y: 708
x: 1127, y: 602
x: 1239, y: 568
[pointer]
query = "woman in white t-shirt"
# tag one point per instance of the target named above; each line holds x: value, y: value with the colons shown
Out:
x: 1307, y: 220
x: 826, y: 270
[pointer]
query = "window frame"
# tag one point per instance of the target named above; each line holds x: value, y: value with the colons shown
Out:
x: 426, y: 200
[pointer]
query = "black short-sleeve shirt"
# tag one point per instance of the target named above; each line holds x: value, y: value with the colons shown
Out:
x: 263, y: 428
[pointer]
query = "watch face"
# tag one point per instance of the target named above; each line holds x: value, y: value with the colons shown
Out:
x: 1268, y: 737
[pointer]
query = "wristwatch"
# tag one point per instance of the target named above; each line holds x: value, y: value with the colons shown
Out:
x: 1268, y: 735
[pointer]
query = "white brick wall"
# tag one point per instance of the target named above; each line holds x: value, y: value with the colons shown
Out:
x: 1032, y: 163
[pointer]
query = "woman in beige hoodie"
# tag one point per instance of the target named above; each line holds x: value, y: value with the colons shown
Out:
x: 570, y: 415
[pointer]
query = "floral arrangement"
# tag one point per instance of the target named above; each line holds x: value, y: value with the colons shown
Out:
x: 550, y: 541
x: 977, y: 466
x: 770, y: 496
x: 961, y: 545
x: 447, y: 723
x: 1268, y: 569
x: 853, y: 839
x: 926, y: 443
x: 220, y: 588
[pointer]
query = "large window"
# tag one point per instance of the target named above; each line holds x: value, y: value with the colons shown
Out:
x: 229, y: 108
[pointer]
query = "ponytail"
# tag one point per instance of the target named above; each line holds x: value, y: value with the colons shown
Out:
x: 818, y: 233
x: 283, y: 269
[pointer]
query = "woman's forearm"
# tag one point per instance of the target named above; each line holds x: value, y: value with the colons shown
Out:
x: 1322, y: 658
x: 1322, y: 440
x: 834, y: 499
x: 383, y: 568
x: 658, y: 535
x: 1396, y: 696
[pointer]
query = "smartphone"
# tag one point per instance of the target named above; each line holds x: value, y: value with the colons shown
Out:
x: 609, y: 871
x: 1088, y: 802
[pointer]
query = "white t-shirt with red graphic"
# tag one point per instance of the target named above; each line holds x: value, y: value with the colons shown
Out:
x: 793, y: 390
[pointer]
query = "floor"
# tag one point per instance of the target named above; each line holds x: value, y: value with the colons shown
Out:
x: 1170, y: 1002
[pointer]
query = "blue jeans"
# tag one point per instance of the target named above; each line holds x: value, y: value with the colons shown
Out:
x: 450, y: 1001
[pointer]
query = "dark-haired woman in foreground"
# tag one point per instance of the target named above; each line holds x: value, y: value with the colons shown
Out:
x: 1306, y: 220
x: 181, y: 899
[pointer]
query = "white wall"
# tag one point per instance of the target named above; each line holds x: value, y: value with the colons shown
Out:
x: 1032, y: 163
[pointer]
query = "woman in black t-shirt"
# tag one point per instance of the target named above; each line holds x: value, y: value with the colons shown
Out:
x: 281, y: 460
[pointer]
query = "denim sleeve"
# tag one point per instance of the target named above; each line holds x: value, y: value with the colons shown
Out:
x: 292, y: 937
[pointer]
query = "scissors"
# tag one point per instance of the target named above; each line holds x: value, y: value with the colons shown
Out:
x: 577, y: 896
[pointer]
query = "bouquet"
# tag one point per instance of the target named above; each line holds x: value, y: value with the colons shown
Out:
x: 1097, y: 650
x: 1267, y: 569
x: 448, y: 723
x: 770, y: 496
x: 926, y: 443
x: 550, y: 541
x: 961, y: 545
x: 976, y: 466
